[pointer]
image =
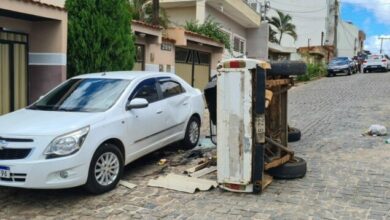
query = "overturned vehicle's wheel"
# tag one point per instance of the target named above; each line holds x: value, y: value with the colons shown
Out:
x: 294, y: 134
x: 296, y: 168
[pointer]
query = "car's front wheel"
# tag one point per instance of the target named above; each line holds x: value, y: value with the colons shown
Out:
x: 105, y: 170
x: 192, y: 135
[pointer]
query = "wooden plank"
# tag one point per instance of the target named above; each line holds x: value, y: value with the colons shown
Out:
x: 277, y: 162
x: 278, y: 82
x: 203, y: 172
x: 267, y: 179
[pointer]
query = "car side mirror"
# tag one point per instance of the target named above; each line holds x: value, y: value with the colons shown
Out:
x: 137, y: 103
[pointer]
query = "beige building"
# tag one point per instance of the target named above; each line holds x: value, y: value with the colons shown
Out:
x: 196, y: 57
x: 176, y: 50
x: 33, y: 41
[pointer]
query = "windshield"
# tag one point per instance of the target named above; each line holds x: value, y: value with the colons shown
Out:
x: 83, y: 95
x: 339, y: 62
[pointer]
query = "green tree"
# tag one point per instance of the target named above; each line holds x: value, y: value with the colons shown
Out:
x: 283, y: 25
x: 142, y: 10
x: 99, y: 36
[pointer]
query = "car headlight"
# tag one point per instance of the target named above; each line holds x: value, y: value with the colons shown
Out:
x: 67, y: 144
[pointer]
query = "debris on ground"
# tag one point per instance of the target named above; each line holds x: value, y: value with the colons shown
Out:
x: 187, y: 157
x: 203, y: 172
x: 376, y: 130
x: 203, y: 164
x: 206, y: 143
x: 387, y: 141
x: 162, y: 162
x: 127, y: 184
x: 158, y: 171
x: 183, y: 183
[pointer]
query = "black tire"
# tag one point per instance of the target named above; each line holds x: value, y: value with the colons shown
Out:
x: 291, y: 170
x: 287, y: 68
x: 189, y: 142
x: 349, y: 72
x: 294, y: 134
x: 93, y: 186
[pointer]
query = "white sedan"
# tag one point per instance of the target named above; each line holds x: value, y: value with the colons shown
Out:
x: 88, y: 128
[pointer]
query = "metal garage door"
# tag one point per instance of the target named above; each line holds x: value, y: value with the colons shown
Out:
x: 13, y: 71
x: 193, y: 66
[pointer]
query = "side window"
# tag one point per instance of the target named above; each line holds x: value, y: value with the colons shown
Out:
x: 171, y: 88
x: 146, y: 90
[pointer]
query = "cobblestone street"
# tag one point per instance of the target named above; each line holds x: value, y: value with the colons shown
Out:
x: 348, y: 174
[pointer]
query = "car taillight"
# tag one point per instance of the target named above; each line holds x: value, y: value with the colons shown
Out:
x: 234, y: 64
x: 384, y: 61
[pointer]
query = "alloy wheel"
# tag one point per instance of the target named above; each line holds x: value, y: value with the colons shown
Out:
x: 194, y: 132
x: 107, y: 168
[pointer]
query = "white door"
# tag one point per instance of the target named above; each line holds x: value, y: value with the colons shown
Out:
x: 145, y: 124
x: 177, y: 102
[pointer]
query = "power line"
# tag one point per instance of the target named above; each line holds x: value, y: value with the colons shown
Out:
x: 299, y: 12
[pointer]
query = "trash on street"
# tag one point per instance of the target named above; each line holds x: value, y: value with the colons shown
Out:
x: 376, y: 130
x: 183, y: 183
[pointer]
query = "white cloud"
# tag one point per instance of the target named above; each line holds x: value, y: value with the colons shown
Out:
x: 373, y: 44
x: 380, y: 8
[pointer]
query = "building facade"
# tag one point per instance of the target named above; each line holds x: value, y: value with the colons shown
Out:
x: 315, y: 22
x: 33, y: 43
x: 241, y: 22
x: 350, y: 39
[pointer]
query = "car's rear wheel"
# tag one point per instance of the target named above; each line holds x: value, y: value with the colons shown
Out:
x: 105, y: 170
x: 192, y: 135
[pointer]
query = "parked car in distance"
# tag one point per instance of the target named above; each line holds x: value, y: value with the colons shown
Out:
x: 341, y: 65
x: 379, y: 62
x: 88, y: 128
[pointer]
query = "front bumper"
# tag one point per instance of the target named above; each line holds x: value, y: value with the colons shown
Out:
x: 46, y: 173
x: 341, y: 70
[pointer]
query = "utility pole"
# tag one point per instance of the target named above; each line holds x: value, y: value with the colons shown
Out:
x: 382, y: 39
x: 336, y: 23
x: 264, y: 9
x: 156, y: 12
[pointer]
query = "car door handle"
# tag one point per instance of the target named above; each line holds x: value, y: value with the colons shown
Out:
x: 185, y: 103
x: 159, y: 112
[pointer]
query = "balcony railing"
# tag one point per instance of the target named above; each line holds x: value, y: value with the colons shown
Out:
x: 253, y: 4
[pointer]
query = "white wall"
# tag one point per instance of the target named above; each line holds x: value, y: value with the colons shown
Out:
x: 309, y: 16
x: 179, y: 16
x: 347, y: 39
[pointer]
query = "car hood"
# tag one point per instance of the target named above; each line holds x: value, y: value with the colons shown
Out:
x: 27, y: 122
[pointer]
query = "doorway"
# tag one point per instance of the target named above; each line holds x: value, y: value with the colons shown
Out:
x: 13, y: 71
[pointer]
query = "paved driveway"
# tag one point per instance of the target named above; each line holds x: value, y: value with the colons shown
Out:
x: 348, y: 174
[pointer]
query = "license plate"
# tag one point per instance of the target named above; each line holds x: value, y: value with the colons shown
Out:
x: 5, y: 172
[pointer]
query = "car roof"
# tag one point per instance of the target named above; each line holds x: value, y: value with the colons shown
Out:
x: 127, y: 75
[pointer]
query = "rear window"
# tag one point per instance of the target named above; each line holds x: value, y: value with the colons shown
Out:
x: 374, y: 57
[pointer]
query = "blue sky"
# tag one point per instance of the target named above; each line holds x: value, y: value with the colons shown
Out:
x: 371, y: 16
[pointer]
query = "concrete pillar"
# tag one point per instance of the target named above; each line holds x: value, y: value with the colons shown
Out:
x: 201, y: 11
